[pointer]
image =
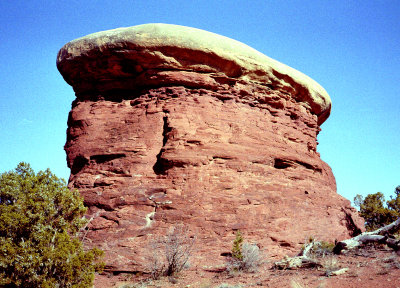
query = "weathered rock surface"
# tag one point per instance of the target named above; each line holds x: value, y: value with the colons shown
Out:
x: 177, y: 125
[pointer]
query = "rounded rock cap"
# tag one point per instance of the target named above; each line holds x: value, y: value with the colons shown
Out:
x: 127, y: 53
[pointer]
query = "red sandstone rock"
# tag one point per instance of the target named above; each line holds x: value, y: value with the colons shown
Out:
x: 212, y: 134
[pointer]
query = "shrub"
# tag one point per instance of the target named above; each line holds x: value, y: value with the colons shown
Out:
x: 319, y: 248
x: 330, y: 264
x: 177, y: 246
x: 40, y: 219
x: 251, y: 257
x: 237, y: 246
x: 323, y: 248
x: 245, y: 256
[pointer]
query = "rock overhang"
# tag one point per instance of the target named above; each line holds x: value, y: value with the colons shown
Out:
x: 135, y: 55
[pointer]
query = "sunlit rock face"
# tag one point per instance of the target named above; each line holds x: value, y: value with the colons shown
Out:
x: 178, y: 125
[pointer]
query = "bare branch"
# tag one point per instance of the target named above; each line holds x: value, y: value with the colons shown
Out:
x: 380, y: 235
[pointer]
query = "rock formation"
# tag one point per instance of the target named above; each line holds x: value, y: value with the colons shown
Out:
x: 178, y: 125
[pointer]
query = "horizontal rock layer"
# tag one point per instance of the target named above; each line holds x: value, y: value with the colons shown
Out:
x: 126, y: 58
x: 202, y: 148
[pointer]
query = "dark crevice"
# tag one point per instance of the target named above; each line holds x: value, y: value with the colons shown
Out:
x: 78, y: 164
x: 103, y: 206
x: 282, y: 163
x: 165, y: 206
x: 161, y: 164
x: 309, y: 166
x: 294, y: 116
x: 102, y: 184
x: 350, y: 225
x: 271, y: 86
x: 166, y: 130
x: 119, y: 95
x: 286, y: 163
x: 106, y: 157
x: 224, y: 97
x: 114, y: 95
x: 285, y: 244
x: 306, y: 165
x: 224, y: 80
x: 71, y: 122
x: 110, y: 218
x: 197, y: 142
x: 131, y: 67
x: 223, y: 157
x: 118, y: 272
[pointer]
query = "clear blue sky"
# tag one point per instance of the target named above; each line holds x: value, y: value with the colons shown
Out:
x: 352, y: 48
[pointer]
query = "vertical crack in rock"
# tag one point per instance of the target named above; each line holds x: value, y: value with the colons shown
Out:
x: 161, y: 164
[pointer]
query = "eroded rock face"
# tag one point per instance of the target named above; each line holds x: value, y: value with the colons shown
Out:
x: 177, y: 125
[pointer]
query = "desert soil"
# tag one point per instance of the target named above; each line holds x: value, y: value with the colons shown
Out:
x: 370, y: 267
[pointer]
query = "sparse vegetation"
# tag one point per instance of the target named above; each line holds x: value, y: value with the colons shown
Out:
x: 311, y: 255
x: 177, y: 246
x: 330, y: 265
x: 40, y: 220
x: 135, y: 285
x: 392, y: 262
x: 224, y: 285
x: 376, y: 212
x: 245, y: 256
x: 251, y: 257
x: 319, y: 248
